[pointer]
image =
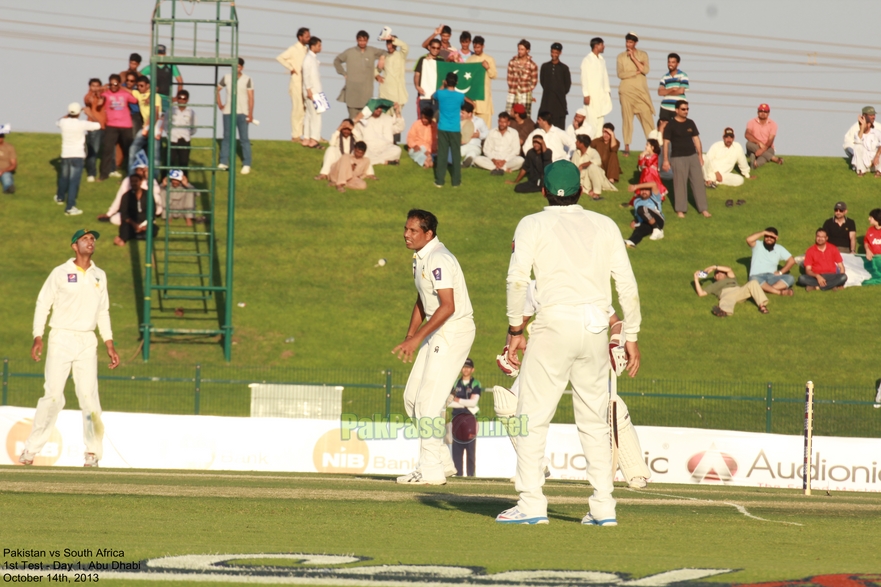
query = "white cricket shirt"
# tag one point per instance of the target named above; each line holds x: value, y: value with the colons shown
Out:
x: 435, y: 268
x: 573, y: 253
x: 78, y: 300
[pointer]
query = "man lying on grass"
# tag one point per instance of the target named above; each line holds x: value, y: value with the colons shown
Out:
x: 724, y: 286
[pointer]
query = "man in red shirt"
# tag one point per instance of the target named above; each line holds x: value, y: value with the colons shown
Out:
x: 872, y: 242
x: 824, y: 268
x: 760, y: 134
x: 118, y: 128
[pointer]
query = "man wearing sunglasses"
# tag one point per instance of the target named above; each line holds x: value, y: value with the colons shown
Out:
x: 119, y: 122
x: 684, y: 155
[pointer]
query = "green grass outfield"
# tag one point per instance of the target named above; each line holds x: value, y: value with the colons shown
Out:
x: 759, y: 534
x: 305, y: 259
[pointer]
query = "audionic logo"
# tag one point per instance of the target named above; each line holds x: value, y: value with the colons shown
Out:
x: 712, y: 465
x: 19, y: 433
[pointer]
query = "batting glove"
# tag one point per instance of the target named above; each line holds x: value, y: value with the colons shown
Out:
x: 506, y: 367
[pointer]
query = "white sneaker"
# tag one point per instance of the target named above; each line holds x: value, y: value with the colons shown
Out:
x: 91, y: 460
x: 115, y: 174
x: 223, y: 167
x: 589, y: 520
x: 246, y: 170
x: 638, y: 483
x: 74, y: 211
x: 415, y: 478
x: 58, y: 201
x: 91, y: 179
x: 515, y: 516
x: 657, y: 234
x: 630, y: 243
x: 26, y: 458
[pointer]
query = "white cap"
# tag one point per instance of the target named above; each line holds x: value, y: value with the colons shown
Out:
x: 5, y: 129
x: 385, y: 33
x: 581, y: 112
x: 74, y: 109
x: 176, y: 174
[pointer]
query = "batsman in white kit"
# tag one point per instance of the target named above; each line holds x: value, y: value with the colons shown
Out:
x: 441, y: 330
x: 574, y: 254
x: 76, y: 294
x: 624, y: 437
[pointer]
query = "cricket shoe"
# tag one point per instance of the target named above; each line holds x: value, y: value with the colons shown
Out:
x: 450, y: 471
x: 27, y: 457
x: 91, y: 460
x: 515, y: 516
x: 657, y: 234
x: 589, y: 520
x: 73, y: 211
x: 637, y: 483
x: 415, y: 478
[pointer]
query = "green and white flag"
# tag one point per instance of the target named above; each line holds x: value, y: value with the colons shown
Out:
x: 471, y: 77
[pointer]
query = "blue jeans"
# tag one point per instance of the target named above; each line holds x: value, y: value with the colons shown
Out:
x: 8, y: 181
x: 242, y: 125
x: 139, y: 143
x: 94, y: 139
x: 771, y: 279
x: 69, y: 180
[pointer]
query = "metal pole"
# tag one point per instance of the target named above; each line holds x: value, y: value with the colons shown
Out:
x: 388, y: 395
x: 768, y: 407
x: 198, y: 389
x: 5, y: 381
x: 231, y: 197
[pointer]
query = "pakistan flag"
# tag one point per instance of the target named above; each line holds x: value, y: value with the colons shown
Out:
x: 471, y: 77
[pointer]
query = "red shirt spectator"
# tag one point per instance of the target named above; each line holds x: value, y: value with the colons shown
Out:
x: 822, y: 261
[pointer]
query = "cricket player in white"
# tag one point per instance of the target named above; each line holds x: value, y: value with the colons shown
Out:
x: 573, y: 254
x: 76, y: 293
x: 442, y: 330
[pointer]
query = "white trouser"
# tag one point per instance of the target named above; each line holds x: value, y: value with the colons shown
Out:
x: 331, y: 155
x: 593, y: 179
x: 312, y: 122
x: 434, y: 374
x: 382, y: 154
x: 77, y: 350
x: 484, y: 162
x: 732, y: 179
x: 561, y: 349
x: 596, y: 122
x: 470, y: 150
x: 298, y: 112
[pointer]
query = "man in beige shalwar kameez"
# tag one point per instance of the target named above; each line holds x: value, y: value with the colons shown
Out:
x: 292, y: 60
x: 633, y: 91
x: 391, y: 76
x: 351, y: 170
x: 484, y: 108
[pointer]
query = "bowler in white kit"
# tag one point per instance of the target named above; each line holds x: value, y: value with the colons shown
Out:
x: 441, y: 330
x: 574, y: 254
x: 76, y: 294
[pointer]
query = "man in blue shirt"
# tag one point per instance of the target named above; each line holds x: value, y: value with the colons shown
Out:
x: 449, y: 131
x: 765, y: 262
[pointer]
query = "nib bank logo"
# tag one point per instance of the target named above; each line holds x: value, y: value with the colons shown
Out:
x: 19, y: 433
x: 712, y: 465
x: 334, y: 455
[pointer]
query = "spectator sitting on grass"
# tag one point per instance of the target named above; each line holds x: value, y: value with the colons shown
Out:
x: 180, y: 195
x: 351, y: 170
x: 724, y: 286
x: 841, y: 231
x: 872, y: 242
x: 342, y: 142
x: 537, y: 158
x: 648, y: 213
x: 764, y: 266
x: 378, y: 131
x: 113, y: 215
x: 824, y: 267
x: 501, y: 151
x: 133, y: 214
x: 422, y: 139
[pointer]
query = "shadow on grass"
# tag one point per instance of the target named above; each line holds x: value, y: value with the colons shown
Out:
x: 489, y: 507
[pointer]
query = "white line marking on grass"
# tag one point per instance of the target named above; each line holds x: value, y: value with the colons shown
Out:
x: 738, y: 507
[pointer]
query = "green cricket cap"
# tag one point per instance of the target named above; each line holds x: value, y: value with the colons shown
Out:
x: 562, y: 179
x: 81, y: 233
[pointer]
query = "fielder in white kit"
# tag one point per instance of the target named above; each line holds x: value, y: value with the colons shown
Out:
x: 573, y: 253
x: 76, y: 293
x: 442, y: 330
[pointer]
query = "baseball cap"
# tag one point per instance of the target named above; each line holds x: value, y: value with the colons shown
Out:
x: 840, y: 206
x: 518, y: 109
x: 562, y: 179
x: 160, y: 49
x: 729, y: 132
x: 5, y: 129
x: 81, y: 233
x: 74, y: 109
x: 469, y: 363
x: 141, y: 159
x: 385, y: 34
x: 869, y: 110
x: 176, y: 174
x: 764, y: 108
x: 556, y: 47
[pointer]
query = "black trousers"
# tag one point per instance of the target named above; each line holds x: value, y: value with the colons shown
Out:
x: 528, y: 187
x: 112, y: 136
x: 645, y: 229
x: 180, y: 158
x: 470, y: 449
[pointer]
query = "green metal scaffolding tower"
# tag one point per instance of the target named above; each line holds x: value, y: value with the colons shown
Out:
x: 183, y: 265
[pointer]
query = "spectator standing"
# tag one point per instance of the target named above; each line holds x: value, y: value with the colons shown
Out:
x: 595, y: 85
x: 760, y: 134
x: 134, y: 62
x: 463, y: 400
x: 422, y: 139
x: 841, y: 231
x: 8, y: 162
x: 94, y: 102
x: 73, y: 156
x: 118, y: 130
x: 607, y: 146
x: 183, y: 127
x: 484, y: 108
x: 141, y: 139
x: 357, y: 65
x: 449, y: 132
x: 556, y: 82
x: 522, y: 79
x: 442, y: 35
x: 165, y: 75
x: 392, y: 77
x: 824, y: 267
x: 683, y: 154
x: 423, y: 95
x: 130, y: 83
x: 872, y: 242
x: 311, y: 92
x: 181, y: 194
x: 244, y: 116
x: 633, y: 91
x: 501, y: 151
x: 673, y: 87
x: 465, y: 44
x: 292, y: 60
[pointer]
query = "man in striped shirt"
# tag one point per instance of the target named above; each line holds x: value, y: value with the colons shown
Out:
x: 673, y: 87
